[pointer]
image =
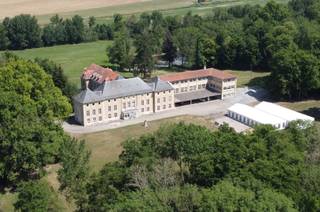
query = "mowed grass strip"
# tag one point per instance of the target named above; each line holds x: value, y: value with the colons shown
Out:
x: 106, y: 146
x: 73, y: 58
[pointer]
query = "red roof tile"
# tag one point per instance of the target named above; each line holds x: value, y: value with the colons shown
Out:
x: 99, y: 73
x: 197, y: 74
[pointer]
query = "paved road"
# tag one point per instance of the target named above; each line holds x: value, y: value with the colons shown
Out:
x: 213, y: 109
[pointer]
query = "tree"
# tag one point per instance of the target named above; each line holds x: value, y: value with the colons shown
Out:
x: 4, y: 40
x: 169, y: 50
x: 75, y: 29
x: 185, y: 39
x: 59, y: 78
x: 295, y: 74
x: 54, y: 33
x: 23, y: 32
x: 35, y: 196
x: 74, y: 174
x: 146, y: 50
x: 121, y: 52
x: 30, y: 103
x: 92, y: 21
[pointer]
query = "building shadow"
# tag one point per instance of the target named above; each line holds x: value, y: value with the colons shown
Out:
x: 72, y: 121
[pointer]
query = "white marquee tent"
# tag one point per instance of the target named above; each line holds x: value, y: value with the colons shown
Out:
x: 265, y: 113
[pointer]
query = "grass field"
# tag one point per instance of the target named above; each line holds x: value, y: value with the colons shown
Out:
x: 106, y: 146
x: 309, y: 107
x: 73, y: 58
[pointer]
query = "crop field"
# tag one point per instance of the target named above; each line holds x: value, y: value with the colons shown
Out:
x: 103, y: 10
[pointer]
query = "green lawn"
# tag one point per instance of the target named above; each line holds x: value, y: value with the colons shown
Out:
x: 250, y: 78
x: 106, y: 146
x: 73, y: 58
x: 309, y: 107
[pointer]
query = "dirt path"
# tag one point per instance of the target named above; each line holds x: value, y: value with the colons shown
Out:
x: 9, y: 8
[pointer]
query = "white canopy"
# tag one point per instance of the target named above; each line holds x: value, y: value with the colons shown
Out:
x: 282, y: 112
x: 256, y: 115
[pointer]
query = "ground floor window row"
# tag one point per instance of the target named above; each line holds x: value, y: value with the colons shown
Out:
x: 248, y: 121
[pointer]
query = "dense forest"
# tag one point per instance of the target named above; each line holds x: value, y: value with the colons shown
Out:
x: 190, y: 168
x: 281, y: 38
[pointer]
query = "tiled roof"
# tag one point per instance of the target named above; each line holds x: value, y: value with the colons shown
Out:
x: 197, y: 74
x: 99, y: 74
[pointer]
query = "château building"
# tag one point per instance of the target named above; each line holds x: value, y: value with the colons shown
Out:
x: 106, y: 96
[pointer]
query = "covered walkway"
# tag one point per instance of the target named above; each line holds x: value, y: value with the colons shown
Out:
x: 196, y: 96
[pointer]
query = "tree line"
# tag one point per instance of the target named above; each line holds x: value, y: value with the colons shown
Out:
x: 23, y: 32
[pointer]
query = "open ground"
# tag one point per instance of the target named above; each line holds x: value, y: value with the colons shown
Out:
x: 103, y: 10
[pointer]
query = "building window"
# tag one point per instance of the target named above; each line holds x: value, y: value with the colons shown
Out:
x: 94, y: 119
x: 88, y: 112
x: 169, y: 105
x: 148, y: 109
x: 142, y: 102
x: 94, y: 112
x: 164, y: 99
x: 124, y: 105
x: 109, y: 108
x: 129, y: 104
x: 133, y: 103
x: 158, y: 100
x: 115, y: 107
x: 199, y: 86
x: 115, y: 115
x: 100, y: 118
x: 177, y: 90
x: 203, y: 85
x: 88, y: 120
x: 164, y: 107
x: 109, y: 116
x: 99, y: 110
x: 142, y: 110
x: 148, y: 101
x: 158, y: 107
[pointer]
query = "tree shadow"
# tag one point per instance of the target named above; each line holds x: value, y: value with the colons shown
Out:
x: 313, y: 111
x: 261, y: 82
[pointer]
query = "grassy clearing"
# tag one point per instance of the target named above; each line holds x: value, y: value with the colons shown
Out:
x: 73, y: 58
x: 309, y: 107
x: 6, y: 202
x: 106, y: 146
x: 250, y: 78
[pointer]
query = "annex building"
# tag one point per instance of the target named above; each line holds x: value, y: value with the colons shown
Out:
x: 266, y: 113
x: 106, y: 96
